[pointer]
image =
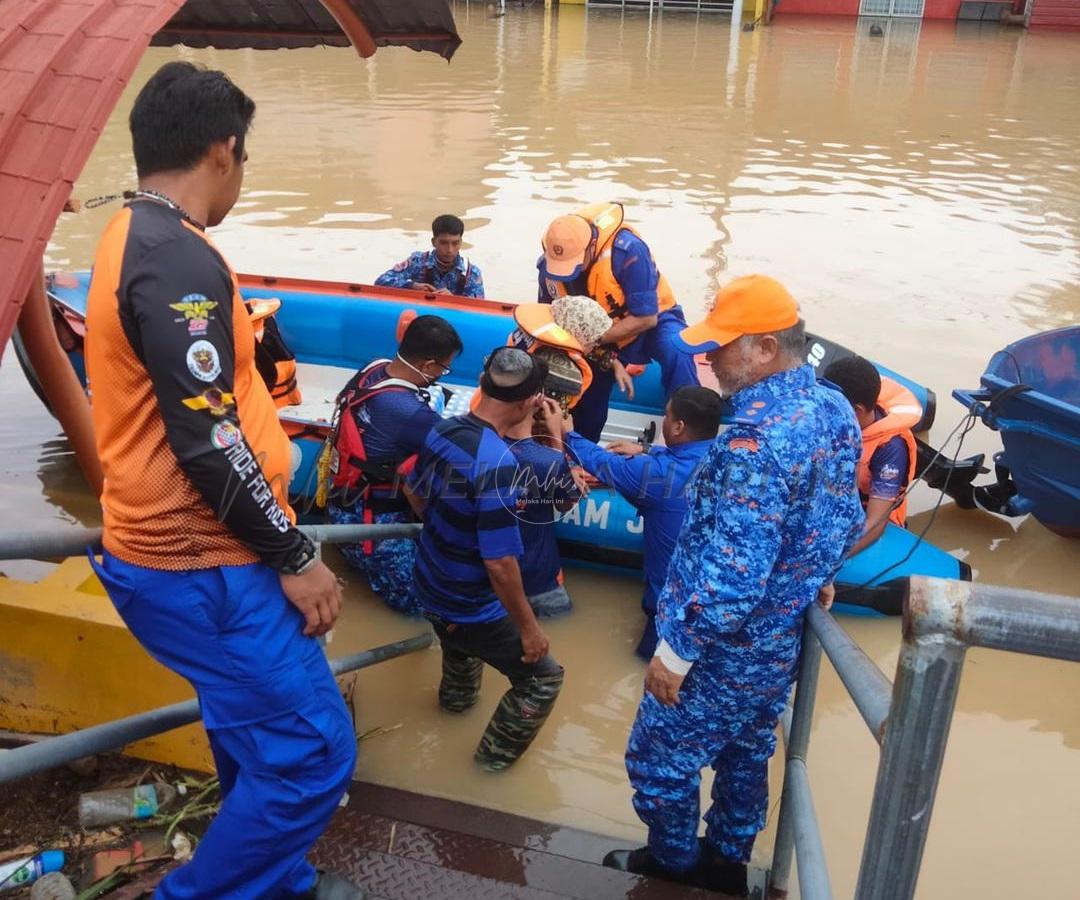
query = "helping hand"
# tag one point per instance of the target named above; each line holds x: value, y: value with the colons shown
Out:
x: 826, y: 595
x: 662, y: 683
x: 623, y: 379
x: 317, y: 594
x: 555, y: 421
x: 626, y: 448
x: 423, y: 286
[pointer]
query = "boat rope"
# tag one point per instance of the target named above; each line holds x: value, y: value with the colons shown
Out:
x: 966, y: 423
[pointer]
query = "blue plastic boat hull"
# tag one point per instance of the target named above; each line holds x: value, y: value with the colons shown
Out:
x: 348, y: 325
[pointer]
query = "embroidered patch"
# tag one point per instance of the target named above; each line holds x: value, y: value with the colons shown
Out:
x: 889, y: 473
x: 195, y: 311
x: 743, y: 444
x: 218, y: 402
x: 224, y: 435
x: 203, y: 361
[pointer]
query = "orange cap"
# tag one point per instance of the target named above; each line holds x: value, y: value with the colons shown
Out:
x: 753, y: 304
x: 565, y: 243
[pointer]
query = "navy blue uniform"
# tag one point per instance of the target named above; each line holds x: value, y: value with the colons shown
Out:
x: 395, y: 425
x: 656, y: 483
x: 634, y: 269
x: 544, y: 476
x: 772, y: 513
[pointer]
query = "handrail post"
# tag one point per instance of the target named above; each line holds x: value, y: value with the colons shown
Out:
x: 912, y: 753
x: 796, y: 744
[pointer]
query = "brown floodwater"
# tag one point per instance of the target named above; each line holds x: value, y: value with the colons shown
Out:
x: 918, y: 192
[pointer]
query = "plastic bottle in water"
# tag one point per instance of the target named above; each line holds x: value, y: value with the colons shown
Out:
x: 109, y: 807
x: 21, y: 872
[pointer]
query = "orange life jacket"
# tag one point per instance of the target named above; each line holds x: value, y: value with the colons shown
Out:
x: 273, y: 358
x: 902, y: 413
x: 608, y: 220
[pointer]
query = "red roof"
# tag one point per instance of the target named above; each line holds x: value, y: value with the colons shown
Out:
x: 64, y: 63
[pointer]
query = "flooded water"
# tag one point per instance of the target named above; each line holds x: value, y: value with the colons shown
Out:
x: 918, y: 192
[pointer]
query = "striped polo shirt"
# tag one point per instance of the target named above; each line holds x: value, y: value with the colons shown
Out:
x: 466, y: 475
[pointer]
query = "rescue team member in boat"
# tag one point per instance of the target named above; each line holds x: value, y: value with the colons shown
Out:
x: 383, y: 417
x: 442, y: 270
x: 655, y: 481
x: 593, y: 252
x: 549, y: 488
x: 886, y: 415
x: 202, y: 559
x: 467, y: 573
x: 773, y: 512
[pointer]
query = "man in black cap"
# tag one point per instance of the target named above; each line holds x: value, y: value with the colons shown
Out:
x: 467, y: 575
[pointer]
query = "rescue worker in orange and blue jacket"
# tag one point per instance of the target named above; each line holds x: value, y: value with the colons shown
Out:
x: 594, y: 253
x: 886, y: 412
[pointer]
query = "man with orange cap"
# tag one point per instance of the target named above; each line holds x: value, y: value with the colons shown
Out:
x: 592, y: 252
x: 772, y: 513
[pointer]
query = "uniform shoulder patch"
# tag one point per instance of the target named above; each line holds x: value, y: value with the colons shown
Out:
x: 743, y: 443
x: 750, y: 413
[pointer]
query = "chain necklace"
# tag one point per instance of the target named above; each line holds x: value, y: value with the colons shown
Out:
x: 147, y: 194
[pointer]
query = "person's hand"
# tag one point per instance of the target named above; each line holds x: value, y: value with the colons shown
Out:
x: 423, y: 286
x: 662, y: 683
x: 626, y: 448
x: 623, y: 379
x: 554, y: 420
x: 442, y: 290
x: 317, y: 594
x: 535, y: 645
x: 578, y: 474
x: 826, y: 595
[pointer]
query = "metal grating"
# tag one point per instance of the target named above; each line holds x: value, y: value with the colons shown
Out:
x: 897, y: 8
x: 709, y: 6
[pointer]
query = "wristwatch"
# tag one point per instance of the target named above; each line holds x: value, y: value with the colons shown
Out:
x: 301, y: 559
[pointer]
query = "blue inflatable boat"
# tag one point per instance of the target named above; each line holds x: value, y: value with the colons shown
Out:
x: 335, y: 328
x: 1030, y: 393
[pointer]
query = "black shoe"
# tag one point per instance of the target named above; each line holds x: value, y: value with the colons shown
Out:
x: 714, y: 873
x: 329, y: 886
x: 639, y: 862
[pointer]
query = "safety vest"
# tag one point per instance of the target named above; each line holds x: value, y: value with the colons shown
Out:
x: 902, y: 413
x: 608, y: 220
x: 273, y: 358
x: 352, y: 475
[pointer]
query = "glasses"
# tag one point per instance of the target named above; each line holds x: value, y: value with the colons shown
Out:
x: 446, y: 370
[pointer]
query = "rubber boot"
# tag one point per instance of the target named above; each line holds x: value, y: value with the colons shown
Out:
x: 460, y: 685
x: 518, y: 718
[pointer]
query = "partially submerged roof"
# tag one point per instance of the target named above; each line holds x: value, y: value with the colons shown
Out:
x: 64, y: 64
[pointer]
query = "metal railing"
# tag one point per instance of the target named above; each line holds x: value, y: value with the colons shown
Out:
x: 57, y: 542
x: 910, y: 719
x: 66, y: 748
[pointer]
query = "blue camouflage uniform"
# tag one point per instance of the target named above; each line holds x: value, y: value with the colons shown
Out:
x: 464, y: 279
x: 656, y: 483
x: 772, y: 513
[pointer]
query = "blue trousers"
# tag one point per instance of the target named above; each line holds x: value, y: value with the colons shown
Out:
x: 389, y: 566
x: 715, y: 723
x: 676, y: 369
x: 281, y: 736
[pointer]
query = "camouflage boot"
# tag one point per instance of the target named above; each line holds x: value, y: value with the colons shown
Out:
x: 517, y: 720
x: 460, y: 685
